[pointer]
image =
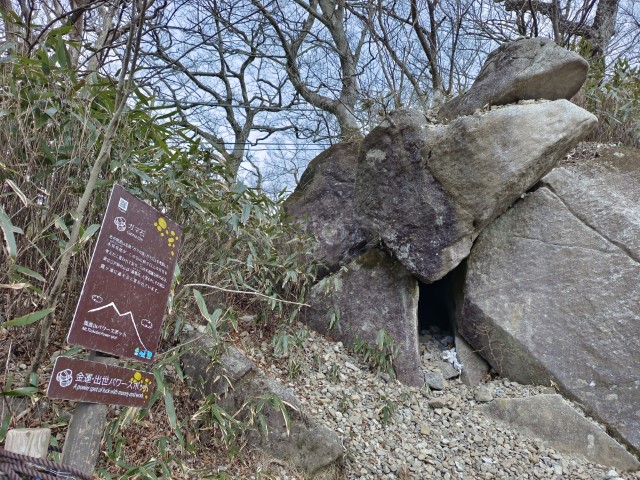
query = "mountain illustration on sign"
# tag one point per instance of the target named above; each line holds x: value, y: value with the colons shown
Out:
x: 161, y: 225
x: 126, y: 314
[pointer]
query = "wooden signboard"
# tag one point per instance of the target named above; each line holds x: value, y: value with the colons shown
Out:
x: 125, y: 293
x: 93, y: 382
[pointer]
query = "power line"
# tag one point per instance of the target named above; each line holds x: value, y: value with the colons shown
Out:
x: 281, y: 144
x: 238, y: 105
x: 288, y: 149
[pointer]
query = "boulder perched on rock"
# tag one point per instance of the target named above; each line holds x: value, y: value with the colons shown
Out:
x: 236, y: 380
x: 552, y: 289
x: 323, y: 205
x: 372, y: 293
x: 541, y: 415
x: 428, y: 190
x: 528, y: 69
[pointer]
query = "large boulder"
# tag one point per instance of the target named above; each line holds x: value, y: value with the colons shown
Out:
x: 600, y: 190
x: 322, y: 204
x: 372, y: 293
x: 539, y: 417
x: 298, y: 440
x: 428, y: 190
x: 527, y: 69
x: 212, y: 367
x: 242, y: 387
x: 551, y: 293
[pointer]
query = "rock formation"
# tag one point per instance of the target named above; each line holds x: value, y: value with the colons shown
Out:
x: 323, y: 204
x: 372, y: 293
x: 552, y: 289
x: 527, y: 69
x: 552, y: 264
x: 428, y: 190
x: 540, y: 415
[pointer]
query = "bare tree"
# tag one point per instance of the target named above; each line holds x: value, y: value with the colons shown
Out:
x: 320, y: 29
x: 591, y: 20
x: 210, y: 62
x: 429, y: 44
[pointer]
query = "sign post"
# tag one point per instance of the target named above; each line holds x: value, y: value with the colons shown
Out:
x: 120, y: 312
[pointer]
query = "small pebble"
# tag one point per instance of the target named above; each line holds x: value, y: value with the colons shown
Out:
x: 483, y: 394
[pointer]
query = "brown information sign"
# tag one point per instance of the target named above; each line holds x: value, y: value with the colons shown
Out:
x: 92, y: 382
x: 125, y: 294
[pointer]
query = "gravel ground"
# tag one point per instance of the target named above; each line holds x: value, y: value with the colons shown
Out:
x: 391, y: 431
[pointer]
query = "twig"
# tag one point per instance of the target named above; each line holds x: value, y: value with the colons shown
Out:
x: 6, y: 375
x: 257, y: 294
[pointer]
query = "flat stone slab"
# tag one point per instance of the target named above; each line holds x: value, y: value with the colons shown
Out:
x: 218, y: 377
x: 474, y: 367
x: 557, y: 423
x: 307, y: 445
x: 236, y: 380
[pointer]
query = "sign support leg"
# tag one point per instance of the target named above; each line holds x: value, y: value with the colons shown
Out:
x: 82, y: 444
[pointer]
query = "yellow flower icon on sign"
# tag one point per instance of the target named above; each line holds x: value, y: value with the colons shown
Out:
x: 145, y: 383
x: 161, y: 225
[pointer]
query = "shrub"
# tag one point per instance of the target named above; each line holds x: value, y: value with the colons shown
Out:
x: 615, y: 100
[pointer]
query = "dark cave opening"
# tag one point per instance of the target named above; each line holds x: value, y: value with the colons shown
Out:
x: 438, y: 303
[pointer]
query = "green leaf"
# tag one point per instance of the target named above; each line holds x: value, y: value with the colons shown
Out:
x: 27, y: 319
x: 41, y: 120
x: 171, y: 411
x: 4, y: 428
x: 202, y: 305
x: 239, y: 188
x: 60, y: 31
x: 263, y: 425
x: 216, y: 315
x: 59, y: 222
x: 89, y: 232
x: 233, y: 222
x: 6, y: 46
x: 143, y: 176
x: 20, y: 193
x: 246, y: 211
x: 8, y: 229
x: 61, y: 53
x: 28, y: 272
x: 21, y: 392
